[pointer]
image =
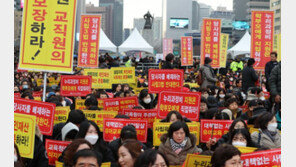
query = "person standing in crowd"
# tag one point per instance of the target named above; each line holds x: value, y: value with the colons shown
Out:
x: 128, y: 152
x: 249, y: 76
x: 168, y: 64
x: 275, y: 84
x: 237, y: 65
x: 226, y: 156
x: 208, y: 75
x: 269, y: 66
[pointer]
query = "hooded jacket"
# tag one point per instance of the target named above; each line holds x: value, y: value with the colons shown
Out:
x: 208, y: 75
x: 174, y: 158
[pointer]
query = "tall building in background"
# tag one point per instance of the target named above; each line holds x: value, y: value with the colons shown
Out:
x: 117, y: 11
x: 126, y: 33
x: 275, y: 5
x: 204, y: 12
x: 106, y: 19
x: 240, y: 10
x: 195, y: 15
x: 226, y: 17
x: 257, y: 5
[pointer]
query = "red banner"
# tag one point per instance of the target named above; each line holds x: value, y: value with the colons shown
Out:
x: 165, y: 80
x: 118, y: 104
x: 186, y: 51
x: 17, y: 95
x: 210, y: 41
x: 262, y: 158
x: 217, y: 127
x: 89, y: 41
x: 167, y: 47
x: 140, y: 114
x: 75, y: 85
x: 54, y: 149
x: 261, y: 37
x: 185, y: 103
x: 113, y: 126
x: 43, y: 111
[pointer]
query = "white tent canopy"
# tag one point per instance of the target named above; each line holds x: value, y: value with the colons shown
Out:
x: 242, y: 47
x: 135, y: 42
x: 105, y: 43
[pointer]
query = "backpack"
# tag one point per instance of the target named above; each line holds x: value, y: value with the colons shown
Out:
x: 199, y: 78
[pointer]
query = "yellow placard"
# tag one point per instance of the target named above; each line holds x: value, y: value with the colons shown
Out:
x: 160, y: 128
x: 121, y: 75
x: 37, y: 98
x: 39, y: 82
x: 79, y: 104
x: 197, y: 160
x: 252, y: 130
x: 52, y: 81
x: 246, y: 149
x: 223, y: 49
x: 24, y: 134
x: 59, y: 164
x: 61, y: 114
x: 106, y: 164
x: 277, y: 45
x: 98, y: 115
x: 47, y: 40
x: 192, y: 85
x: 100, y: 103
x: 138, y: 90
x: 101, y: 78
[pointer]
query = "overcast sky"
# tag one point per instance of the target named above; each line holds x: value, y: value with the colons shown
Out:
x: 137, y: 8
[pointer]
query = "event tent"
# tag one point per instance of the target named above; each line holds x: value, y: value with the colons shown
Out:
x: 242, y: 47
x: 135, y: 42
x: 105, y: 43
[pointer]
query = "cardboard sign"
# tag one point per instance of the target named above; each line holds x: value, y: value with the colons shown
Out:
x: 186, y: 51
x: 217, y: 128
x: 97, y: 116
x: 121, y: 75
x: 160, y: 128
x: 54, y: 149
x: 223, y: 49
x: 101, y: 78
x: 43, y: 111
x: 185, y: 103
x: 167, y: 47
x: 61, y: 114
x: 210, y: 41
x: 89, y: 41
x: 118, y: 104
x: 79, y: 104
x: 165, y: 80
x: 262, y: 23
x: 47, y: 38
x: 262, y: 158
x: 24, y: 134
x: 193, y: 160
x: 140, y: 114
x: 75, y: 85
x: 112, y: 128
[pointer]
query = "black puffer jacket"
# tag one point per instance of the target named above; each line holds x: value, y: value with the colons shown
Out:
x: 249, y: 78
x: 40, y: 156
x: 275, y: 80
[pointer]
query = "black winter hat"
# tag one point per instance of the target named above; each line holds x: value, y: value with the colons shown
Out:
x: 208, y: 60
x: 76, y: 116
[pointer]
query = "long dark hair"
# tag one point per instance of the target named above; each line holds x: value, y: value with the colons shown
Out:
x: 231, y: 128
x: 169, y: 115
x: 148, y: 158
x: 246, y: 135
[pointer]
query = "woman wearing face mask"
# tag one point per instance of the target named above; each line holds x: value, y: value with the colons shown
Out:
x: 268, y: 135
x: 241, y: 138
x: 221, y: 97
x: 177, y: 143
x: 128, y: 152
x: 146, y: 99
x: 90, y: 131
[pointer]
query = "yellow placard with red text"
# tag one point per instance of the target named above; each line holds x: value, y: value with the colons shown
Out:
x: 197, y: 160
x: 61, y: 114
x: 47, y: 40
x: 277, y: 45
x: 101, y: 78
x: 98, y: 115
x: 122, y: 75
x: 79, y: 104
x: 59, y: 164
x: 223, y: 49
x: 24, y: 134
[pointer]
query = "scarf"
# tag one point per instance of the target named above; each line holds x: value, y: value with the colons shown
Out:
x: 177, y: 148
x: 270, y: 134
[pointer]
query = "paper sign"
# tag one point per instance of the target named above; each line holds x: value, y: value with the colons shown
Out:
x: 43, y: 111
x: 24, y: 134
x: 61, y: 114
x: 112, y: 128
x: 261, y: 37
x: 160, y: 128
x: 101, y: 78
x: 165, y: 80
x: 220, y: 127
x: 186, y: 51
x: 210, y: 41
x: 167, y: 47
x: 89, y: 41
x: 140, y: 114
x: 47, y: 40
x: 270, y: 158
x: 193, y: 160
x: 79, y: 104
x: 223, y: 49
x: 185, y: 103
x: 75, y: 85
x: 54, y: 149
x: 118, y: 104
x: 121, y: 75
x: 97, y: 116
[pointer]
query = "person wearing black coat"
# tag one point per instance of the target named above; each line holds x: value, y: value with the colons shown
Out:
x: 168, y: 64
x: 249, y: 76
x: 269, y: 66
x: 146, y: 99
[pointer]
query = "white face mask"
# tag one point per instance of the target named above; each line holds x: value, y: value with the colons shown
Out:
x: 147, y: 101
x: 15, y: 158
x: 262, y: 98
x: 272, y: 127
x: 222, y: 95
x: 92, y: 139
x: 238, y: 143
